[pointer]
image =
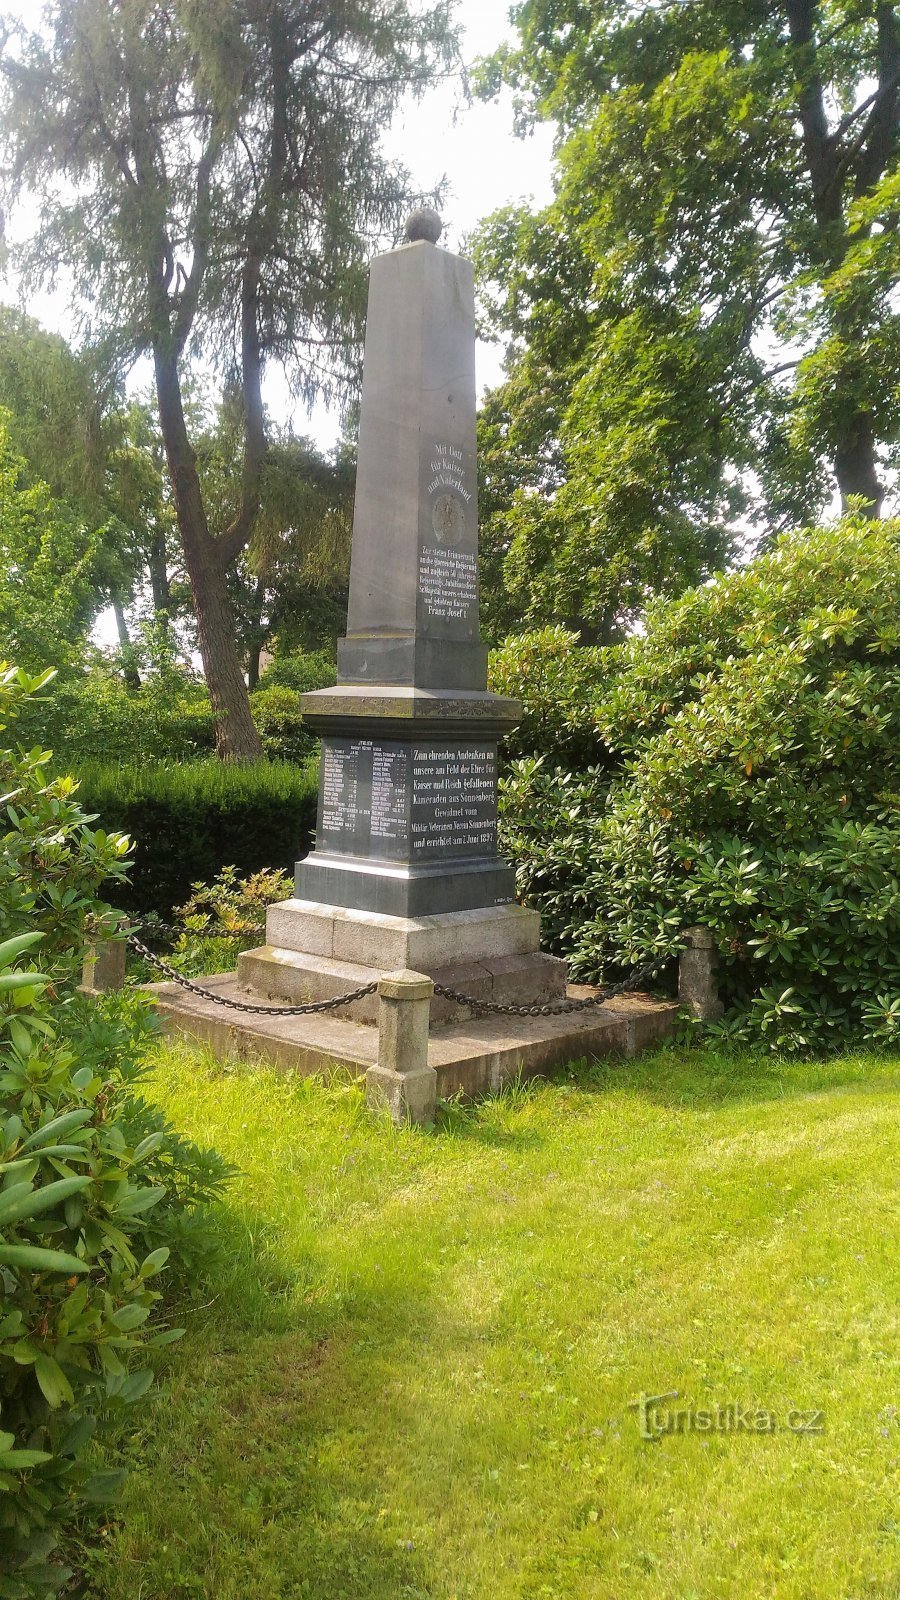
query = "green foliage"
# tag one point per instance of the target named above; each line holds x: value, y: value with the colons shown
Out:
x: 555, y: 681
x: 277, y: 715
x: 187, y: 822
x: 48, y: 567
x: 756, y: 735
x: 306, y: 670
x: 702, y: 327
x: 223, y: 918
x: 96, y: 1189
x: 94, y: 716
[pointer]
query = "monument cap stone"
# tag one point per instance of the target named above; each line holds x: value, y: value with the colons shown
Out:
x: 423, y: 224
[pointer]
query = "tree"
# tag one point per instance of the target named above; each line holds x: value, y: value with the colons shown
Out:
x: 95, y: 453
x: 701, y: 326
x: 211, y: 171
x: 50, y: 559
x: 295, y: 570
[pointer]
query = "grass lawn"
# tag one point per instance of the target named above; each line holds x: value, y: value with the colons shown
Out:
x: 413, y: 1374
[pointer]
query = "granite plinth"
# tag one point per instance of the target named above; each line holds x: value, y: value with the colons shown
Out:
x: 427, y: 663
x: 293, y: 978
x: 370, y: 939
x: 399, y: 890
x: 407, y: 814
x: 403, y: 711
x: 469, y: 1057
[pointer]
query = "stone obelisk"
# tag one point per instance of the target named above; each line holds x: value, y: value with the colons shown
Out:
x: 405, y: 871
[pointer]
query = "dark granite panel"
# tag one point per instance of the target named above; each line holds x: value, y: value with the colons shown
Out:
x: 400, y: 890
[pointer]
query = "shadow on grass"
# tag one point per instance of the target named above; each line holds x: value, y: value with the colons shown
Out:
x: 672, y: 1076
x: 691, y: 1077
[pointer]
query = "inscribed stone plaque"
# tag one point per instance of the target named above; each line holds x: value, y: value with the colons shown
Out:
x: 447, y: 605
x: 408, y: 803
x: 454, y: 800
x: 364, y: 805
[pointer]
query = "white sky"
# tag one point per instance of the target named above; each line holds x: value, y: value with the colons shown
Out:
x: 472, y: 146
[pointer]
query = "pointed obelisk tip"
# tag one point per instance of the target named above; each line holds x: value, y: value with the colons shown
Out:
x: 423, y: 224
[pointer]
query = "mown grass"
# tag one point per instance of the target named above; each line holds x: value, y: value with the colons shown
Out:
x: 414, y: 1373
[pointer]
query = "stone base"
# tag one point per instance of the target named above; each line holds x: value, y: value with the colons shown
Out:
x: 317, y: 952
x: 470, y: 1058
x: 292, y: 978
x: 373, y: 939
x: 404, y: 889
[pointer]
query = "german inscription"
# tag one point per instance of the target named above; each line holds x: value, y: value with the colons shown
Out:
x: 448, y: 561
x: 408, y: 803
x: 454, y: 800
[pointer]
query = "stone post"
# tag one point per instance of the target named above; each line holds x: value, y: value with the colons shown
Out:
x: 104, y: 959
x: 403, y: 1080
x: 697, y: 987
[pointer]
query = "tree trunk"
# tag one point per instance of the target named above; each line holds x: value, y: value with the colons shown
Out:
x: 855, y: 460
x: 129, y: 670
x: 856, y: 467
x: 159, y: 576
x: 236, y: 735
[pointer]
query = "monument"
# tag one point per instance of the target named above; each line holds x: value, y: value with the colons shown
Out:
x: 405, y: 888
x: 407, y: 814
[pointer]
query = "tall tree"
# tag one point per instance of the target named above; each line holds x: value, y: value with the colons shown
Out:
x: 211, y: 170
x: 703, y: 328
x: 49, y: 561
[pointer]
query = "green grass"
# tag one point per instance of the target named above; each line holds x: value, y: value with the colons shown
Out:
x: 414, y: 1372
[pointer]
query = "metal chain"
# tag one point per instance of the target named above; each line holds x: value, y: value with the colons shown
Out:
x: 553, y: 1008
x: 172, y: 930
x: 239, y: 1005
x: 557, y: 1008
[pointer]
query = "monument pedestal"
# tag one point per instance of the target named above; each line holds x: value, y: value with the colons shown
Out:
x: 317, y: 952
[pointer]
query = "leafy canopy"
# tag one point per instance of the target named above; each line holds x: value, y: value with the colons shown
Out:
x: 702, y: 327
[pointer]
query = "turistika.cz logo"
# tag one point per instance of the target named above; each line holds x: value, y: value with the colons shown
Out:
x: 658, y: 1417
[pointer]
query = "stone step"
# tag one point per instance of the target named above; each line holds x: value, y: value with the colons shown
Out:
x: 292, y: 978
x: 471, y: 1057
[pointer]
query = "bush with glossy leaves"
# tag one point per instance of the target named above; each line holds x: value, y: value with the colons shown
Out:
x: 756, y: 734
x: 97, y: 1192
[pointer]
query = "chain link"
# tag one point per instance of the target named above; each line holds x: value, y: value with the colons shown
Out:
x: 175, y: 976
x: 552, y: 1008
x: 557, y: 1008
x: 173, y: 930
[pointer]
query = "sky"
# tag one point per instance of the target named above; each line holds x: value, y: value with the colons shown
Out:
x: 472, y: 146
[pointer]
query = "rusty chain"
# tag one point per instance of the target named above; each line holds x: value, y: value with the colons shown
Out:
x: 552, y: 1008
x: 557, y: 1008
x: 308, y: 1010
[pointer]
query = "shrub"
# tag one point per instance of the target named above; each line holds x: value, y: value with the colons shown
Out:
x: 190, y: 821
x: 93, y: 716
x: 224, y: 917
x: 305, y: 670
x: 95, y: 1188
x: 756, y: 730
x: 556, y: 681
x: 284, y: 734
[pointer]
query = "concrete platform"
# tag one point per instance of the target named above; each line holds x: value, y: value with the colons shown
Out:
x: 470, y: 1057
x: 289, y: 978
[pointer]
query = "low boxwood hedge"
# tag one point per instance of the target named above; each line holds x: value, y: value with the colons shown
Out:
x: 189, y: 821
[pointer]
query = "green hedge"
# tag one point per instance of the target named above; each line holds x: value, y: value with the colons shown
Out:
x: 190, y: 821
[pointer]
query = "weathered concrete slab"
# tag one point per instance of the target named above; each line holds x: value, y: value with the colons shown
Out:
x: 470, y: 1057
x: 290, y: 977
x: 372, y: 939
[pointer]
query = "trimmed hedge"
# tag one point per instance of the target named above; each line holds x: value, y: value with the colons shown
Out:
x: 188, y: 822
